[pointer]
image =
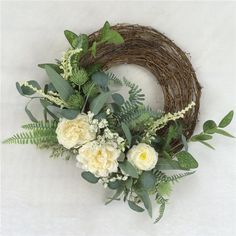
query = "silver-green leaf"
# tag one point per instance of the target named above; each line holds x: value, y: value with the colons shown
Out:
x: 226, y: 120
x: 62, y: 86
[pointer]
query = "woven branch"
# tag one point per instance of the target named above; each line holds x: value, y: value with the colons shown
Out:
x: 146, y: 47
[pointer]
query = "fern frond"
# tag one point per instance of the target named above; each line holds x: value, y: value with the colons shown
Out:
x: 114, y: 79
x: 41, y: 125
x: 135, y: 93
x: 133, y: 116
x: 162, y: 177
x: 35, y: 136
x: 161, y: 212
x: 176, y: 177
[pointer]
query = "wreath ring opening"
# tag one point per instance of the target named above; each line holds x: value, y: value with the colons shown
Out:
x: 147, y: 47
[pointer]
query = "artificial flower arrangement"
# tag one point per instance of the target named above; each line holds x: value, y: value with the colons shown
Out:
x: 115, y: 140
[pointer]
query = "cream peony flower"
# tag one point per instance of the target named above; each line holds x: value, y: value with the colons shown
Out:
x: 143, y: 156
x: 98, y: 159
x: 72, y: 133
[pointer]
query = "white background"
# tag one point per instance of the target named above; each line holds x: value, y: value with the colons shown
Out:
x: 46, y: 197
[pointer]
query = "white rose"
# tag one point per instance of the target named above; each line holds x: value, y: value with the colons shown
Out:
x: 98, y: 159
x: 143, y: 156
x: 72, y: 133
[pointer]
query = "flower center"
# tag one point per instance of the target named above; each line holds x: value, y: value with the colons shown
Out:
x: 143, y: 156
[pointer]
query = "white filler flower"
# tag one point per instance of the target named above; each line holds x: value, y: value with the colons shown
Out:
x: 76, y: 132
x: 98, y: 159
x: 143, y: 156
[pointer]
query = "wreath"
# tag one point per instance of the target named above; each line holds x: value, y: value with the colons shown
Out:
x: 116, y: 140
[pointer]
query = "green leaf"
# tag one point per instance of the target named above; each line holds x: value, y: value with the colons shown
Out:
x: 129, y: 169
x: 209, y: 127
x: 201, y: 137
x: 135, y: 207
x: 118, y: 99
x: 61, y: 85
x: 53, y: 66
x: 147, y: 180
x: 223, y: 132
x: 72, y: 38
x: 45, y: 104
x: 186, y: 160
x: 30, y: 115
x: 226, y: 120
x: 69, y: 114
x: 129, y: 183
x: 118, y: 192
x: 207, y: 144
x: 114, y: 185
x: 105, y: 30
x: 83, y: 42
x: 167, y: 164
x: 94, y: 48
x: 100, y: 79
x: 110, y: 36
x: 25, y: 90
x: 91, y: 178
x: 184, y: 141
x: 127, y: 132
x: 91, y: 69
x: 146, y: 200
x: 97, y: 104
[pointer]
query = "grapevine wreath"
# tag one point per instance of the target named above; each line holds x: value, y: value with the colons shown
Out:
x: 116, y: 140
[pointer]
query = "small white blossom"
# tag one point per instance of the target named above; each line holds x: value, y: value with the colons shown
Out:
x: 108, y: 111
x: 103, y: 123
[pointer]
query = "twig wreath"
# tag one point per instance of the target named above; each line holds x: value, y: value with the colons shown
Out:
x: 118, y: 141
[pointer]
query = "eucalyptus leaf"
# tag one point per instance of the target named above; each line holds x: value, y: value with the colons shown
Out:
x: 127, y: 132
x: 118, y: 192
x: 61, y: 85
x: 98, y: 102
x: 100, y: 79
x: 91, y: 178
x: 128, y: 168
x: 129, y: 183
x: 114, y: 185
x: 30, y: 115
x: 45, y: 104
x: 53, y: 66
x: 226, y: 120
x: 25, y: 90
x: 118, y: 99
x: 144, y: 196
x: 69, y: 114
x: 147, y: 180
x: 186, y: 160
x: 135, y: 207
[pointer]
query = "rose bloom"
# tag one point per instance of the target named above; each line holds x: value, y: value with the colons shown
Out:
x: 99, y: 159
x: 143, y: 156
x: 72, y: 133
